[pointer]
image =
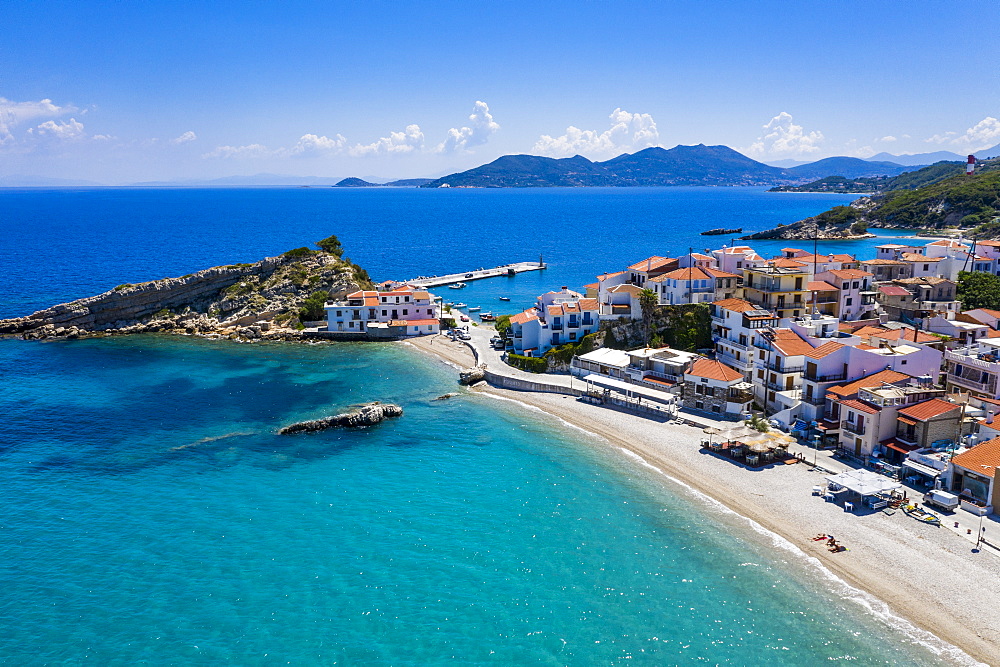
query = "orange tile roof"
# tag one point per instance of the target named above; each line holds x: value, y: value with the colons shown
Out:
x: 555, y: 311
x: 983, y: 458
x: 791, y: 250
x: 736, y: 250
x: 825, y: 349
x: 948, y: 243
x: 859, y: 406
x: 850, y: 273
x: 928, y: 409
x: 589, y: 304
x: 525, y: 317
x: 371, y: 301
x: 420, y: 322
x: 917, y: 257
x: 890, y: 262
x: 571, y: 308
x: 842, y: 257
x: 865, y: 346
x: 869, y: 330
x: 605, y: 276
x: 784, y: 262
x: 873, y: 380
x: 789, y: 343
x: 691, y: 273
x: 820, y: 286
x: 714, y: 370
x: 735, y: 305
x: 893, y: 290
x: 592, y: 286
x: 905, y: 333
x: 652, y: 262
x: 627, y: 287
x: 698, y: 255
x: 721, y: 274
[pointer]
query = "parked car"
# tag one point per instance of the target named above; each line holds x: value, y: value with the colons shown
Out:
x: 464, y: 336
x: 942, y: 499
x: 464, y: 318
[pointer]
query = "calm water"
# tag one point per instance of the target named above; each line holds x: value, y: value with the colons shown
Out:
x: 149, y: 513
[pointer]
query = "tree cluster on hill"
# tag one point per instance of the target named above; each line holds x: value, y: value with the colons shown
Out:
x: 978, y: 290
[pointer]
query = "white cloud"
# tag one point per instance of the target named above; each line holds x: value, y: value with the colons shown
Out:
x: 248, y: 151
x: 61, y: 130
x: 406, y: 141
x: 481, y: 127
x: 184, y: 138
x: 940, y: 138
x: 983, y: 134
x: 311, y: 144
x: 628, y: 131
x: 887, y: 139
x: 783, y: 138
x: 13, y: 114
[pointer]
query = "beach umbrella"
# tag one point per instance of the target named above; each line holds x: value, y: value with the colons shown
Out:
x: 760, y: 447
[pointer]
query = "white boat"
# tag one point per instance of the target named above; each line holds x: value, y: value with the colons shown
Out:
x: 461, y: 305
x: 475, y: 308
x: 457, y: 286
x: 505, y: 298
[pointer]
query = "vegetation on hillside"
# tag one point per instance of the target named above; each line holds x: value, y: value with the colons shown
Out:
x: 978, y: 290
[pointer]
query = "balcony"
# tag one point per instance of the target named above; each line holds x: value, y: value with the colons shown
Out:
x: 988, y: 386
x: 728, y: 359
x: 853, y: 427
x: 907, y: 438
x: 588, y: 322
x: 813, y: 399
x: 733, y: 344
x: 556, y: 327
x: 778, y: 367
x: 973, y: 361
x: 720, y: 322
x: 829, y: 377
x: 573, y: 324
x: 777, y: 386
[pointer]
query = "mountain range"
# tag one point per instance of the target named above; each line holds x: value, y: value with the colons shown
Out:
x: 681, y: 165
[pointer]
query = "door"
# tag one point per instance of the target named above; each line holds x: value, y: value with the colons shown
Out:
x: 395, y: 315
x: 857, y: 446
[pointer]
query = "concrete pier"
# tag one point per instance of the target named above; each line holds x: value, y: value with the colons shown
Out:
x: 476, y: 274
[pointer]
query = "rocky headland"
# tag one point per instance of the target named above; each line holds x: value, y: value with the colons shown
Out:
x: 269, y: 299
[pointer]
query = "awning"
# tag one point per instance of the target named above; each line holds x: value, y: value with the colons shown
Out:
x: 908, y: 422
x: 630, y: 390
x: 864, y: 482
x: 899, y: 447
x: 922, y: 469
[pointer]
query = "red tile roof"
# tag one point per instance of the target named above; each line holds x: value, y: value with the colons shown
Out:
x: 721, y: 274
x: 850, y: 273
x: 820, y: 286
x: 525, y: 317
x: 873, y: 380
x: 859, y: 406
x: 823, y: 350
x: 935, y: 407
x: 588, y: 304
x: 735, y: 305
x: 983, y: 458
x: 652, y: 263
x: 893, y: 290
x: 690, y: 273
x: 883, y: 262
x: 789, y: 343
x: 420, y: 322
x: 714, y: 370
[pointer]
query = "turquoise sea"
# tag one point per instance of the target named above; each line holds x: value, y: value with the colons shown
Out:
x: 151, y: 515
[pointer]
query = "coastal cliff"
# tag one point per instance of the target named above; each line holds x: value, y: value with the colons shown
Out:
x: 265, y: 299
x: 932, y: 199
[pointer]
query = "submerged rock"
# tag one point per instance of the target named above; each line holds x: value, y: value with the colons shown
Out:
x: 444, y: 397
x: 366, y: 415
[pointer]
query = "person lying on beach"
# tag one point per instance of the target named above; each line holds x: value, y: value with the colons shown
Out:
x: 831, y: 542
x: 821, y: 537
x: 837, y: 548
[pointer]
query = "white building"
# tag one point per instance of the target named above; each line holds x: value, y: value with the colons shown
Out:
x: 557, y: 318
x: 403, y: 311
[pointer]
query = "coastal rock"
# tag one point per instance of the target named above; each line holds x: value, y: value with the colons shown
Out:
x: 472, y: 375
x: 246, y: 299
x: 366, y: 415
x: 444, y: 397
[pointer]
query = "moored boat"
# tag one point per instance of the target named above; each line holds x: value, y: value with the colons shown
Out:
x: 487, y: 317
x: 461, y: 305
x: 475, y: 308
x: 922, y: 515
x: 505, y: 298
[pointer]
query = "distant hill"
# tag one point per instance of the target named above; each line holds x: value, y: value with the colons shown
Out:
x: 848, y: 167
x: 918, y: 158
x: 354, y: 182
x: 908, y: 180
x: 25, y: 181
x: 936, y: 197
x: 681, y: 165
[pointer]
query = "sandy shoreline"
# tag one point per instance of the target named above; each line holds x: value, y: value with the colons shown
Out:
x: 926, y: 575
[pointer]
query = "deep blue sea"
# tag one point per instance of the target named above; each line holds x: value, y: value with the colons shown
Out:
x: 149, y: 513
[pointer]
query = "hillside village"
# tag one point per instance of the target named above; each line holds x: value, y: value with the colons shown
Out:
x: 874, y: 359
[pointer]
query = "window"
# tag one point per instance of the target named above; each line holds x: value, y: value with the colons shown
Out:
x: 715, y: 408
x: 351, y: 325
x: 338, y: 313
x: 927, y: 267
x: 845, y: 286
x: 698, y: 405
x: 849, y: 301
x: 856, y: 284
x: 903, y: 362
x: 384, y: 313
x: 407, y: 299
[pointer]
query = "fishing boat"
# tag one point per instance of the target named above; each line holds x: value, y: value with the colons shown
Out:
x: 922, y: 515
x: 487, y: 317
x: 461, y: 305
x: 475, y: 308
x: 457, y: 286
x: 505, y: 298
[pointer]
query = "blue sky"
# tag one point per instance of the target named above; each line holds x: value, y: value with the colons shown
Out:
x: 124, y: 92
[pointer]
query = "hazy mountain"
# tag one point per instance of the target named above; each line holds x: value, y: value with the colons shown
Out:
x: 918, y: 159
x: 354, y: 182
x: 785, y: 164
x: 26, y: 181
x: 848, y: 167
x: 254, y: 180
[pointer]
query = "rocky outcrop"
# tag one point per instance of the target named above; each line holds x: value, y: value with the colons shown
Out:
x: 445, y: 397
x: 248, y: 301
x: 472, y: 375
x: 365, y: 415
x: 840, y: 223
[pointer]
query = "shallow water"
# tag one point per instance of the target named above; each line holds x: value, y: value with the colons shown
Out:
x: 150, y: 513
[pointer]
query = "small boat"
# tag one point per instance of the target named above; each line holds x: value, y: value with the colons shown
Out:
x: 475, y: 308
x: 487, y: 317
x: 505, y: 298
x: 922, y: 515
x: 720, y: 230
x: 457, y: 286
x: 461, y: 305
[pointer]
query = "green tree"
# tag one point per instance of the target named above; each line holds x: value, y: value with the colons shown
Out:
x: 648, y: 301
x: 313, y: 307
x: 331, y: 244
x: 978, y: 290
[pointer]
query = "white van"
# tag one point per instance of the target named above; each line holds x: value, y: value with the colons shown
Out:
x: 941, y: 499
